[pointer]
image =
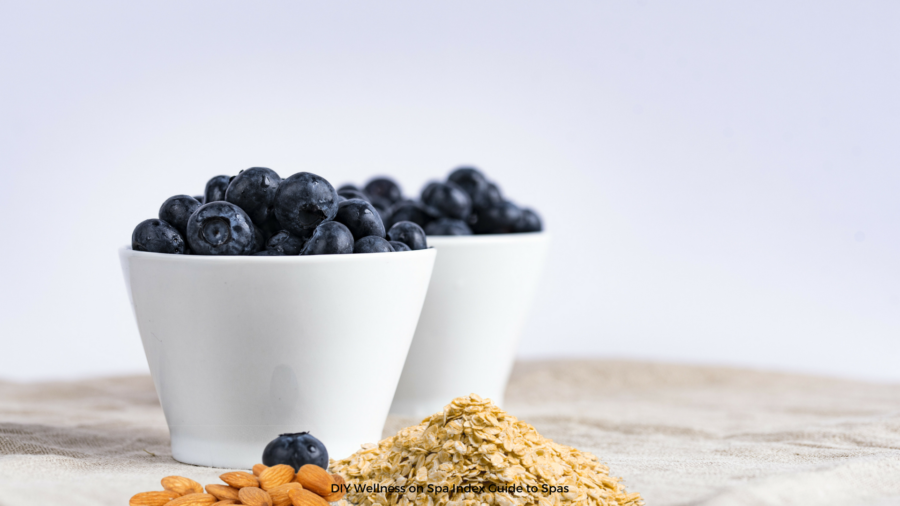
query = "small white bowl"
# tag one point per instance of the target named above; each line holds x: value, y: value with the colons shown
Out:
x: 480, y: 295
x: 242, y: 349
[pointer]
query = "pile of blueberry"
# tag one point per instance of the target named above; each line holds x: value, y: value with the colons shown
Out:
x: 464, y: 204
x: 258, y: 213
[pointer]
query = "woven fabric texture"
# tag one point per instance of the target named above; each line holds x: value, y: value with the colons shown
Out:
x: 680, y: 435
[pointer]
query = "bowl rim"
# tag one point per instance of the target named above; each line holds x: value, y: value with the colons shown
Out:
x: 126, y: 251
x: 445, y: 240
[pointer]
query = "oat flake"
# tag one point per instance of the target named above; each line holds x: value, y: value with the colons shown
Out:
x: 473, y: 443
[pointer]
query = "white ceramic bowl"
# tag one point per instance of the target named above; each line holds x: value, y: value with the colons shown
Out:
x: 242, y: 349
x: 478, y: 302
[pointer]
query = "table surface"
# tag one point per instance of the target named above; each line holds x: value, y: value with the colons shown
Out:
x: 680, y: 435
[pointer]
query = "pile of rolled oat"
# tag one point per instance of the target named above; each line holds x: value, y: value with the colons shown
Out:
x: 476, y: 454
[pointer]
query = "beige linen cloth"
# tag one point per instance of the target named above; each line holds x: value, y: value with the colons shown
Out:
x: 680, y: 435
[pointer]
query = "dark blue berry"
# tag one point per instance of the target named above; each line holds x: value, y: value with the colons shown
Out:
x: 399, y: 246
x: 215, y: 189
x: 353, y: 194
x: 500, y: 219
x: 266, y: 253
x: 471, y: 180
x: 448, y: 226
x: 259, y: 241
x: 296, y: 450
x: 428, y: 190
x: 449, y: 200
x: 529, y: 221
x: 408, y: 233
x: 490, y: 197
x: 303, y: 201
x: 177, y: 210
x: 221, y: 228
x: 253, y: 190
x: 329, y: 238
x: 410, y: 210
x: 157, y: 236
x: 285, y: 243
x: 384, y: 188
x: 383, y: 207
x: 270, y: 227
x: 200, y: 198
x: 372, y: 244
x: 361, y: 218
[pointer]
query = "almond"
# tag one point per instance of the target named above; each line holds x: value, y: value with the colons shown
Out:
x: 153, y: 498
x: 222, y: 492
x: 276, y: 475
x: 258, y: 468
x: 315, y: 479
x: 193, y: 500
x: 226, y: 501
x: 254, y: 496
x: 181, y: 485
x: 335, y: 497
x: 280, y: 493
x: 240, y: 479
x: 301, y: 497
x: 341, y: 490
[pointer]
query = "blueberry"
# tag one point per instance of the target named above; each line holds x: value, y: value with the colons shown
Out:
x: 253, y: 190
x: 270, y: 227
x: 303, y: 201
x: 500, y: 219
x: 408, y: 233
x: 296, y: 450
x: 399, y: 246
x: 529, y: 221
x: 410, y: 210
x: 266, y: 253
x: 353, y: 194
x: 470, y: 179
x: 361, y: 218
x: 215, y: 189
x: 221, y: 228
x: 157, y: 236
x: 448, y: 226
x: 449, y: 200
x: 384, y: 188
x: 329, y: 238
x: 428, y: 190
x: 259, y: 241
x: 285, y: 243
x: 490, y: 197
x: 383, y: 206
x: 177, y: 210
x: 372, y: 244
x: 200, y: 198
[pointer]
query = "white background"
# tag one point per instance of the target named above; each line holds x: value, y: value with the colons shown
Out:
x: 722, y: 179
